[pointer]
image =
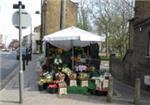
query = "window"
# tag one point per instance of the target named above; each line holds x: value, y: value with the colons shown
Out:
x: 148, y: 45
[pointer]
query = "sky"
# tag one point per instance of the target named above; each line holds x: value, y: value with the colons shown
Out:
x: 6, y: 11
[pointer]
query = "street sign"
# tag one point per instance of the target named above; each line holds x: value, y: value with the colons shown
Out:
x: 25, y: 19
x: 147, y: 80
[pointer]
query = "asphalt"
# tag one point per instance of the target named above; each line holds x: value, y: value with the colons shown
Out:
x: 8, y: 67
x: 31, y: 95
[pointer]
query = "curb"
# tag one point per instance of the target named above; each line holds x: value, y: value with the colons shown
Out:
x: 13, y: 75
x: 128, y: 100
x: 131, y: 87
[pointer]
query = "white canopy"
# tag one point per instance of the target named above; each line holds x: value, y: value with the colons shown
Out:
x: 72, y: 36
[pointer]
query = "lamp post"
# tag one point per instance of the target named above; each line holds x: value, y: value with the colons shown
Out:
x: 20, y: 6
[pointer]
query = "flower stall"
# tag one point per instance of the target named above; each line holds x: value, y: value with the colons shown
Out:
x: 67, y: 72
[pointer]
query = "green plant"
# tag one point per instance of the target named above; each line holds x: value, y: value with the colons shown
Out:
x: 105, y: 58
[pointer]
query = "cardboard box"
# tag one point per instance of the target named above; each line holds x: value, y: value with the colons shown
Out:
x: 73, y: 82
x: 84, y: 83
x: 62, y: 91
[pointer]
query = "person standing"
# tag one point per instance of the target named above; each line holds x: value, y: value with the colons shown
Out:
x: 27, y: 56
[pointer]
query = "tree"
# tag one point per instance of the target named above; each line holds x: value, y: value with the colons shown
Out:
x: 83, y: 15
x: 111, y: 19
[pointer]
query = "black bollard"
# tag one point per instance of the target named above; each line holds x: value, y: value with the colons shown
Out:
x: 110, y: 91
x: 137, y: 92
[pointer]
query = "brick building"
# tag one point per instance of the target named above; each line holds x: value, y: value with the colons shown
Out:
x: 51, y: 17
x: 52, y: 12
x: 136, y: 62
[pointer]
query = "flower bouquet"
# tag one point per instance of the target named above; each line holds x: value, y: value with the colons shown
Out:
x: 66, y: 70
x: 60, y: 76
x: 52, y: 88
x: 42, y: 84
x: 73, y: 76
x: 81, y: 68
x: 48, y: 77
x: 83, y: 76
x: 57, y: 60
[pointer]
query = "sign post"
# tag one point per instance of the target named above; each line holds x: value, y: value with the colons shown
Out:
x: 19, y: 22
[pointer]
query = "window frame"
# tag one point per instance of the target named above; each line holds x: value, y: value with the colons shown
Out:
x: 148, y: 45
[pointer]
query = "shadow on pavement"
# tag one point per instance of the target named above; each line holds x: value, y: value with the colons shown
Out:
x: 94, y: 99
x: 9, y: 101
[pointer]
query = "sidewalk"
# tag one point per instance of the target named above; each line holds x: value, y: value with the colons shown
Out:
x: 31, y: 96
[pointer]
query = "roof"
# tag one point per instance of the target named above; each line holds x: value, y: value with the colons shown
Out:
x: 142, y: 22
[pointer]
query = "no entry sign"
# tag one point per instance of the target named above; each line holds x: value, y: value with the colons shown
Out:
x: 25, y: 19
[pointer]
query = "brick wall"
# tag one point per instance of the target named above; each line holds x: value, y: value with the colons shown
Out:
x: 52, y: 23
x: 116, y: 68
x: 135, y: 64
x: 142, y: 8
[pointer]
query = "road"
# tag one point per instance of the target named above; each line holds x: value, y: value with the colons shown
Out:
x: 8, y: 63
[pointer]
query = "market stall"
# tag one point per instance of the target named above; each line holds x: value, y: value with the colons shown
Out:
x: 81, y: 77
x: 72, y: 36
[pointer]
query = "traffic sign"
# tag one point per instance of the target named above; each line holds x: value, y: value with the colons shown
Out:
x: 25, y: 19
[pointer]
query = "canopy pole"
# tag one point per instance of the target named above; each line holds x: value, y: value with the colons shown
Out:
x: 72, y: 54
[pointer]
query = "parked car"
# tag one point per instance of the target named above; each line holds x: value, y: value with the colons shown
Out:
x: 24, y: 52
x: 5, y: 50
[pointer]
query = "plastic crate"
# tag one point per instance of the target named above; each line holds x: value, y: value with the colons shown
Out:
x: 77, y: 90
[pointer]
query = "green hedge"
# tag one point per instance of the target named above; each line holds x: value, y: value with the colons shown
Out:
x: 105, y: 58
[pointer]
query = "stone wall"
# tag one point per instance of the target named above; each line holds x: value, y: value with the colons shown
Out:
x: 136, y: 62
x: 116, y: 68
x: 128, y: 70
x: 71, y: 14
x: 142, y: 8
x: 52, y: 16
